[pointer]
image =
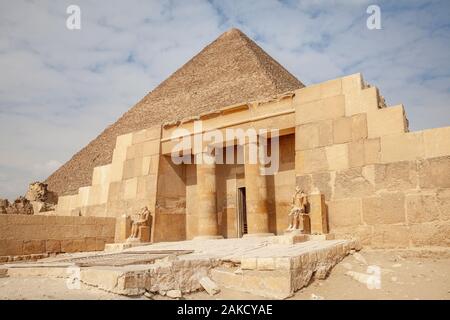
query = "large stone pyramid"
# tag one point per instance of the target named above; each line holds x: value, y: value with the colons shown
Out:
x: 232, y: 69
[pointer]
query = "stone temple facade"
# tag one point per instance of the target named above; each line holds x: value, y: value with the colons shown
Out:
x: 365, y: 175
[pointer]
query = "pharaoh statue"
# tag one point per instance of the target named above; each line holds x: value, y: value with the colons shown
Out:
x: 139, y: 220
x: 298, y: 210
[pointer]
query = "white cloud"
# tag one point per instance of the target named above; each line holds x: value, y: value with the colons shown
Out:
x: 60, y: 88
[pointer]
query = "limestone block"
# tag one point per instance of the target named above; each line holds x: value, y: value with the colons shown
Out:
x: 304, y: 182
x: 11, y: 247
x: 308, y: 161
x: 124, y: 140
x: 324, y: 109
x: 314, y: 135
x: 356, y: 156
x: 400, y: 147
x: 390, y: 236
x: 430, y: 234
x: 354, y: 182
x: 321, y: 182
x: 337, y: 157
x: 122, y: 229
x: 306, y: 136
x: 421, y: 207
x: 91, y: 244
x: 395, y: 176
x: 248, y: 263
x: 210, y: 286
x: 352, y: 84
x: 151, y: 133
x: 53, y: 246
x: 386, y: 121
x: 130, y: 188
x: 342, y: 130
x: 385, y: 208
x: 151, y: 148
x: 318, y: 217
x: 345, y: 212
x: 101, y: 175
x: 443, y: 203
x: 132, y: 167
x: 437, y: 142
x: 33, y: 246
x: 116, y: 171
x: 434, y: 173
x: 265, y: 263
x: 146, y: 187
x: 361, y: 101
x: 84, y: 193
x: 318, y: 91
x: 135, y: 151
x: 372, y: 151
x: 359, y: 126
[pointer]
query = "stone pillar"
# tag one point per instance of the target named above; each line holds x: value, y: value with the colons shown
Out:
x: 206, y: 199
x: 256, y: 196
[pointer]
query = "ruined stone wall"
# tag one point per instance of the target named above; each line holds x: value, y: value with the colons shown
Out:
x: 382, y: 183
x: 22, y: 235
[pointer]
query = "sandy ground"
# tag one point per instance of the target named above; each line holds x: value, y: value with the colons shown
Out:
x: 404, y: 275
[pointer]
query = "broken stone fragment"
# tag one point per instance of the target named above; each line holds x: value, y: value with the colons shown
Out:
x: 174, y: 294
x: 209, y: 286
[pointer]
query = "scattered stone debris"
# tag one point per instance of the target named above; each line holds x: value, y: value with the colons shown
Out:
x: 210, y: 286
x: 148, y: 295
x: 174, y: 294
x: 37, y: 199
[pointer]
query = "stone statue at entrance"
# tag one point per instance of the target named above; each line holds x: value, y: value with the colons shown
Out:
x: 139, y: 220
x: 298, y: 210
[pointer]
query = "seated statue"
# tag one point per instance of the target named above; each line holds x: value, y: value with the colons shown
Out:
x: 298, y: 210
x: 141, y: 219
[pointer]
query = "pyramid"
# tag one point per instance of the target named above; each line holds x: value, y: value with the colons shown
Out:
x: 232, y: 69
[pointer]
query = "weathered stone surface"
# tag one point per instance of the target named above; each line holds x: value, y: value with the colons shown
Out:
x: 390, y: 236
x: 174, y: 294
x: 356, y: 156
x: 38, y: 191
x: 321, y: 182
x: 352, y: 182
x: 385, y: 208
x: 443, y: 203
x: 309, y: 161
x: 401, y: 147
x: 304, y: 182
x: 342, y: 130
x: 323, y: 109
x: 430, y: 234
x: 386, y: 121
x: 337, y: 157
x: 436, y: 142
x: 397, y: 176
x: 359, y: 126
x: 210, y: 286
x: 421, y: 208
x: 372, y: 151
x: 434, y: 173
x: 345, y: 212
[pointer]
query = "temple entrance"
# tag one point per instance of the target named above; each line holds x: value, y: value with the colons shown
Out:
x: 242, y: 213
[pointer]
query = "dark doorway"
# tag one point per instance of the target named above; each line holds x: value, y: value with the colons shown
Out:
x: 242, y: 213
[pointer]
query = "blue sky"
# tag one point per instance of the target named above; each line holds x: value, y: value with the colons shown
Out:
x: 59, y: 88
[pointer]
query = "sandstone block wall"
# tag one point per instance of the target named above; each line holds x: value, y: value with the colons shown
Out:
x: 26, y: 235
x: 125, y: 185
x: 382, y: 183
